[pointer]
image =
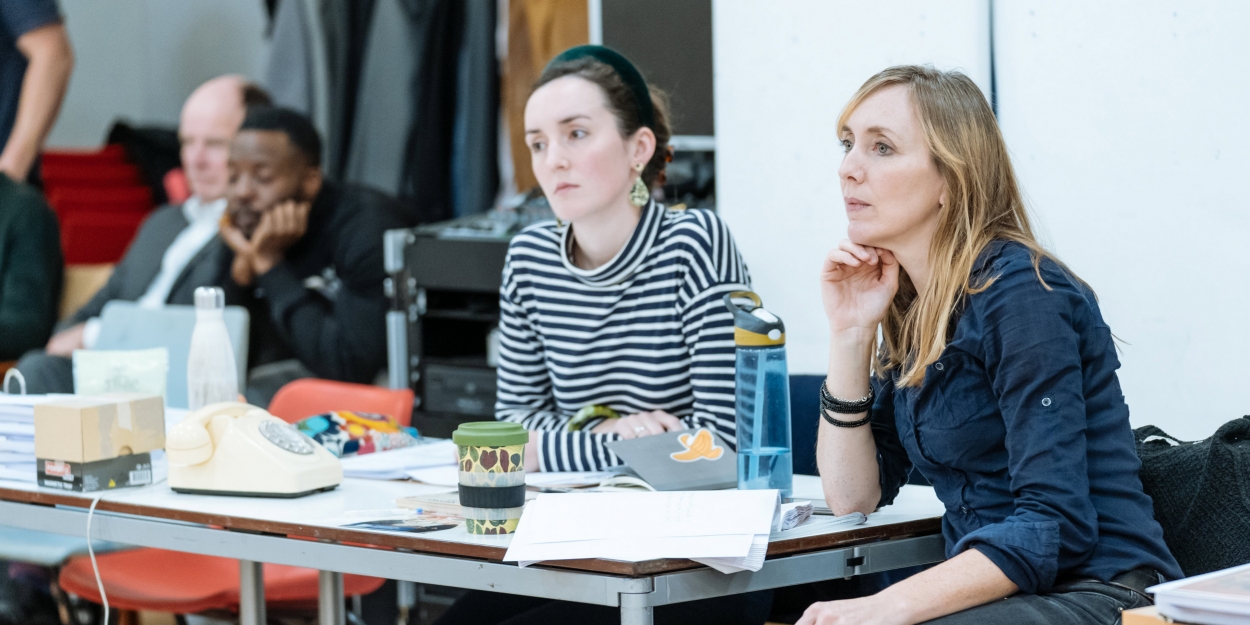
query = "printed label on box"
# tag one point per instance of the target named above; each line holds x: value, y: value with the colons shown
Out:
x: 58, y: 468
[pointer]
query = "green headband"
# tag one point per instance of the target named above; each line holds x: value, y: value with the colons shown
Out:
x: 626, y: 70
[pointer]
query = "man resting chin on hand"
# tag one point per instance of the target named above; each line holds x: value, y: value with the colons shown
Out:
x: 307, y: 254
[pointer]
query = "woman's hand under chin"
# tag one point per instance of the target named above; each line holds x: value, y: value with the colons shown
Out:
x: 857, y: 284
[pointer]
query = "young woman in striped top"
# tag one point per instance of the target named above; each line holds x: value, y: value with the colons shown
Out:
x: 619, y: 304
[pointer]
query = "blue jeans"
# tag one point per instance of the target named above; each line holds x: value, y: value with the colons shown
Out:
x: 1077, y: 603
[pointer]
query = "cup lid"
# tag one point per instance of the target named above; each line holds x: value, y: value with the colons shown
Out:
x: 490, y: 434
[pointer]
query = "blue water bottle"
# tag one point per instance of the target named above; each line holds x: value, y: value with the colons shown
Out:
x: 763, y: 396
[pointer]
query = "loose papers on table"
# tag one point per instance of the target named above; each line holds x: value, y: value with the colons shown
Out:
x: 396, y: 463
x: 449, y: 475
x: 723, y: 526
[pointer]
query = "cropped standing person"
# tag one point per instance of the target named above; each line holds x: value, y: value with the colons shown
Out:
x: 617, y: 305
x: 31, y: 269
x: 35, y: 65
x: 996, y: 379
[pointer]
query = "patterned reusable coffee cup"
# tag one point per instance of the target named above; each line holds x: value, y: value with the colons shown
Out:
x: 492, y: 475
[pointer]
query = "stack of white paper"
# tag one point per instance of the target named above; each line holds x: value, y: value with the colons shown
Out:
x: 728, y: 527
x: 396, y: 463
x: 567, y: 479
x: 17, y: 436
x: 1218, y: 598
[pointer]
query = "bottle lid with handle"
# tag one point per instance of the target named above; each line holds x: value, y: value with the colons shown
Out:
x: 210, y: 298
x: 490, y: 434
x: 754, y: 326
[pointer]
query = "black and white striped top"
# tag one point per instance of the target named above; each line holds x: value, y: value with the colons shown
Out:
x: 646, y: 331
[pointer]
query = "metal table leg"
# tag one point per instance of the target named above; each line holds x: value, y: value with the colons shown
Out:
x: 251, y: 593
x: 330, y: 599
x: 635, y: 610
x: 406, y: 598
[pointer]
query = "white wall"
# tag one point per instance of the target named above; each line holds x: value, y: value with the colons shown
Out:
x: 139, y: 59
x: 783, y: 72
x: 1129, y: 129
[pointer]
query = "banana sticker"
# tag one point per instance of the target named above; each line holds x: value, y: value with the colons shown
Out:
x: 699, y: 446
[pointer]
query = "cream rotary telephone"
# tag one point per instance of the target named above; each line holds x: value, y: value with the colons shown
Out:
x: 236, y: 449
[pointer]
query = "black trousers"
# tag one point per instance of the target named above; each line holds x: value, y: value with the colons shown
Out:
x: 491, y: 608
x: 1078, y: 603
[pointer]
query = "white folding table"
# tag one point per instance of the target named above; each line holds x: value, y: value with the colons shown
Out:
x: 256, y: 530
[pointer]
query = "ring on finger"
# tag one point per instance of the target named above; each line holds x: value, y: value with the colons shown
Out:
x: 639, y: 429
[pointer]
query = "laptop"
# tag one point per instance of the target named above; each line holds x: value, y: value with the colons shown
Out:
x: 686, y: 460
x: 127, y: 325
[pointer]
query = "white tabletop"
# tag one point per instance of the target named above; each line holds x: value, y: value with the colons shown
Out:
x: 357, y: 500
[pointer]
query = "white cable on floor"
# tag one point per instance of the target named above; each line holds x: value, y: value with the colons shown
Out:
x: 94, y: 566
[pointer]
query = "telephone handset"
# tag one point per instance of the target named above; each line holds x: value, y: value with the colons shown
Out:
x: 233, y: 448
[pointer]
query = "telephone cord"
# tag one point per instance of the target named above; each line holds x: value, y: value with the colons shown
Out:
x: 94, y: 565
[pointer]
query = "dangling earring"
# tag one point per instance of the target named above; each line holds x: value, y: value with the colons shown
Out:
x: 639, y: 194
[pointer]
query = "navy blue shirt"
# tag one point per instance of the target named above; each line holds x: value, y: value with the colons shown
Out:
x: 17, y: 17
x: 1023, y: 430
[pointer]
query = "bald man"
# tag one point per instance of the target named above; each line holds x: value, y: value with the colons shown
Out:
x: 176, y: 249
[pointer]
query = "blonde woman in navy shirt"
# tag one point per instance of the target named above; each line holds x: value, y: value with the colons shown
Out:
x: 996, y: 377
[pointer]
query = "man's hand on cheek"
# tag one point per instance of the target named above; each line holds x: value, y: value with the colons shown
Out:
x: 279, y: 229
x: 241, y: 269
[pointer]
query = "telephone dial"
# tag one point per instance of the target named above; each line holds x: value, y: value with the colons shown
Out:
x: 236, y: 449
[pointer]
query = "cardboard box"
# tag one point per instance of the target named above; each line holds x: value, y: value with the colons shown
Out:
x: 98, y: 442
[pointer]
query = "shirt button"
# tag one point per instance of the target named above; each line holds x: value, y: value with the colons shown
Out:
x: 939, y: 366
x: 1045, y: 401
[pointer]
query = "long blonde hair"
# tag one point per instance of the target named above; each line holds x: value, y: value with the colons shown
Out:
x: 983, y: 204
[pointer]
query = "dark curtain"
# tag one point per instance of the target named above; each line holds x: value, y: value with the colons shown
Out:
x: 426, y: 183
x: 420, y: 119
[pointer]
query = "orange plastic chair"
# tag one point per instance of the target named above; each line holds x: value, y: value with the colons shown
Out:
x: 304, y: 398
x: 187, y: 583
x: 170, y: 581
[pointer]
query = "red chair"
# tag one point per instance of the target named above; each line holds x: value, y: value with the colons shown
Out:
x: 90, y: 238
x: 170, y: 581
x: 130, y: 196
x: 93, y: 174
x: 111, y: 153
x: 65, y: 207
x: 305, y: 398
